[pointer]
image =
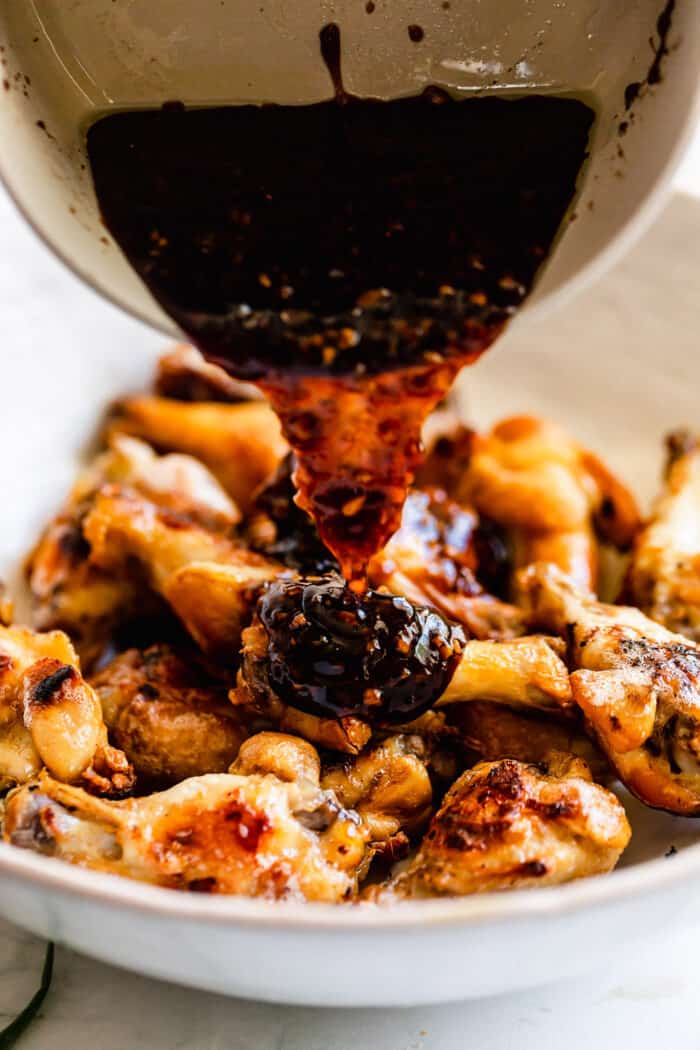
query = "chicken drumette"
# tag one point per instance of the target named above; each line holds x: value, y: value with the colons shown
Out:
x: 555, y: 497
x: 637, y: 684
x: 506, y: 825
x: 273, y: 826
x: 92, y: 598
x: 520, y: 672
x: 49, y: 716
x: 664, y: 576
x: 169, y: 713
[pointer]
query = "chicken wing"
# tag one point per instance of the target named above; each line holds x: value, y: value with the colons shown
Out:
x: 664, y: 576
x: 389, y: 787
x: 241, y: 444
x: 254, y: 835
x: 529, y: 475
x: 50, y: 716
x: 493, y: 731
x: 637, y: 683
x: 91, y: 602
x: 506, y: 825
x: 521, y: 672
x: 254, y: 692
x: 169, y: 714
x: 207, y: 577
x: 434, y: 559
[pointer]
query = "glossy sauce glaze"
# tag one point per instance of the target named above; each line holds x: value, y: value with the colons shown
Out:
x: 348, y: 256
x: 335, y: 653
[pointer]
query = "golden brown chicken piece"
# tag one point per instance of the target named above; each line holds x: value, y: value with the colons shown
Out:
x: 434, y: 559
x: 527, y: 474
x: 493, y: 731
x: 169, y: 714
x: 206, y: 576
x: 174, y: 482
x: 124, y: 526
x: 637, y: 684
x: 70, y: 594
x: 255, y: 836
x: 389, y: 787
x: 50, y: 716
x: 664, y: 576
x: 90, y: 602
x: 184, y: 375
x: 289, y: 758
x: 241, y: 444
x: 506, y: 825
x: 521, y: 672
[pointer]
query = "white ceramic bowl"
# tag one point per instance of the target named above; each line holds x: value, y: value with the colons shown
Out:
x: 617, y: 392
x: 67, y: 61
x: 613, y: 386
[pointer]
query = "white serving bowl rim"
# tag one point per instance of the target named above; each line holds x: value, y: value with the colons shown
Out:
x: 644, y: 877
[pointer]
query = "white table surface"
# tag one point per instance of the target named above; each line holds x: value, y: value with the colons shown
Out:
x: 647, y: 1001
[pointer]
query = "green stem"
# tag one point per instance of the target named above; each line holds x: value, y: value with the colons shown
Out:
x: 10, y: 1035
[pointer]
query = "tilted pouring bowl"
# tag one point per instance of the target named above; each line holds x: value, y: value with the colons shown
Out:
x: 65, y: 62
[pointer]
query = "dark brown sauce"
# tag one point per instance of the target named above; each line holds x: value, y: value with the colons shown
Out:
x: 348, y: 256
x: 335, y: 653
x: 664, y: 24
x: 291, y: 536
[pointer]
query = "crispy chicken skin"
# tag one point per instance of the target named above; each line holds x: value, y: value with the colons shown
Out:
x: 241, y: 444
x: 637, y: 683
x: 555, y: 496
x: 389, y: 786
x: 70, y: 591
x: 169, y: 714
x: 255, y: 835
x: 434, y: 559
x: 507, y: 825
x: 207, y: 577
x: 125, y: 526
x: 50, y: 716
x: 664, y: 576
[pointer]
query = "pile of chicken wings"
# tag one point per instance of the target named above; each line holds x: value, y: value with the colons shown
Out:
x: 140, y: 734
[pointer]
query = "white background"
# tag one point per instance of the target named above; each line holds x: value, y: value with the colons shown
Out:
x: 650, y: 1001
x: 688, y: 177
